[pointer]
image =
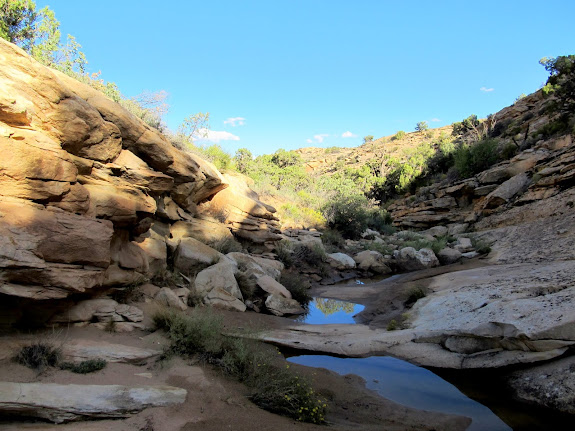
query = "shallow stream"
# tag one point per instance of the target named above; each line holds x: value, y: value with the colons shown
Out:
x: 418, y: 387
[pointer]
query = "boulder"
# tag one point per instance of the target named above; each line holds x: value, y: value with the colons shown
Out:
x: 85, y: 311
x: 340, y: 261
x: 123, y: 204
x: 506, y: 191
x: 203, y: 229
x: 31, y: 235
x: 168, y: 297
x: 370, y: 260
x: 222, y: 298
x: 448, y: 256
x: 192, y: 256
x: 137, y: 172
x: 221, y: 278
x: 436, y: 231
x: 255, y: 264
x: 463, y: 244
x: 280, y: 306
x: 409, y: 259
x: 271, y: 286
x: 83, y: 350
x: 551, y: 385
x: 62, y: 403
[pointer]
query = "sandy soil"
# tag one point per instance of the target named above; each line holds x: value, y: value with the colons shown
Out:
x: 215, y: 402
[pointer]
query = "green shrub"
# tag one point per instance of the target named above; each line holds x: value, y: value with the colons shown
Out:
x: 284, y: 252
x: 332, y: 239
x: 274, y: 386
x: 472, y: 159
x: 414, y: 295
x: 348, y: 215
x: 84, y: 367
x: 422, y: 126
x: 297, y: 286
x: 392, y: 325
x: 480, y: 245
x: 312, y: 255
x: 39, y: 355
x: 399, y: 135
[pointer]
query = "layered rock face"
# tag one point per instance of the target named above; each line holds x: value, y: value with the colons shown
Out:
x: 90, y: 196
x: 535, y: 174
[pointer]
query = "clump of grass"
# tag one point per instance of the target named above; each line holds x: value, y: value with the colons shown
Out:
x: 392, y: 325
x: 84, y: 367
x: 111, y: 326
x: 333, y: 239
x: 297, y: 287
x: 413, y: 295
x: 39, y: 355
x: 284, y: 251
x: 480, y: 245
x: 313, y: 255
x: 274, y: 387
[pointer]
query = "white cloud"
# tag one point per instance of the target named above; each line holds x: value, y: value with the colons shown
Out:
x: 348, y: 134
x: 235, y: 121
x: 319, y: 138
x: 215, y: 136
x: 309, y: 141
x: 486, y: 90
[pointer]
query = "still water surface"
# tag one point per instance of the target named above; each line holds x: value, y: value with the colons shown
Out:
x: 393, y: 378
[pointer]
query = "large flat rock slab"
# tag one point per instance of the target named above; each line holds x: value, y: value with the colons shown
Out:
x: 63, y: 403
x: 485, y: 317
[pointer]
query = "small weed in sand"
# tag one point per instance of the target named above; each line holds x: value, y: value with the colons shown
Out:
x: 84, y: 367
x: 39, y: 355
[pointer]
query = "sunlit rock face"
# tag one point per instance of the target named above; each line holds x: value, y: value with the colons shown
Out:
x: 91, y: 197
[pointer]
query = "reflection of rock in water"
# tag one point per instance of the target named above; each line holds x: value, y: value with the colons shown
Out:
x: 331, y: 306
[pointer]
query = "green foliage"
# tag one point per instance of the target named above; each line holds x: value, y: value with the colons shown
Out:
x: 399, y: 135
x: 297, y: 286
x: 332, y: 239
x: 521, y: 96
x: 84, y: 367
x: 242, y: 159
x: 464, y: 126
x: 561, y: 83
x: 274, y: 386
x: 283, y: 158
x: 422, y: 126
x: 312, y: 255
x: 472, y: 159
x: 392, y: 325
x: 348, y: 215
x: 413, y: 295
x: 17, y: 21
x: 480, y: 245
x: 305, y: 216
x: 284, y: 252
x: 367, y: 139
x: 39, y: 355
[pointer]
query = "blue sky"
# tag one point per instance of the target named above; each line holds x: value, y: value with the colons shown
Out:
x: 320, y: 72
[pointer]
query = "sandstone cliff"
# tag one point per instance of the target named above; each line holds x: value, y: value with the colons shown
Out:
x: 91, y: 197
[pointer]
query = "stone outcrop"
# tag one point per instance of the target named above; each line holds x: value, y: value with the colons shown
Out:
x: 91, y: 197
x: 410, y: 259
x: 63, y: 403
